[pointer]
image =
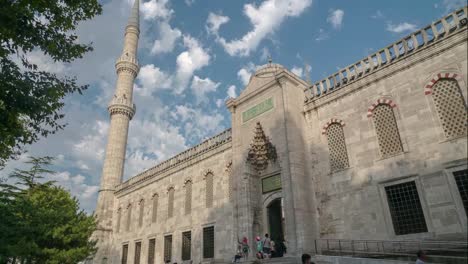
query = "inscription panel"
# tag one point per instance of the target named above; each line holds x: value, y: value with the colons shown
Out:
x: 257, y: 109
x: 272, y: 183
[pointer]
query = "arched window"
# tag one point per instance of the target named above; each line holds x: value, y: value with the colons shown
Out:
x: 230, y: 181
x: 170, y: 202
x: 119, y: 216
x: 450, y: 107
x: 188, y: 197
x: 154, y: 215
x: 141, y: 213
x: 337, y: 147
x: 129, y: 217
x: 386, y: 129
x: 209, y: 189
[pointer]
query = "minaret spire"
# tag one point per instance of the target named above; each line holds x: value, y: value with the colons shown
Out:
x: 121, y: 110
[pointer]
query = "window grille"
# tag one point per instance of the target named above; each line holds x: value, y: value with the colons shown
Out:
x: 129, y: 216
x: 170, y: 203
x: 151, y: 250
x: 337, y: 147
x: 209, y: 189
x: 154, y: 215
x: 186, y: 245
x: 137, y: 253
x: 208, y: 242
x: 119, y: 216
x: 167, y: 248
x: 461, y: 178
x: 386, y: 128
x: 188, y: 197
x: 405, y: 208
x: 124, y: 254
x: 140, y: 216
x: 451, y: 107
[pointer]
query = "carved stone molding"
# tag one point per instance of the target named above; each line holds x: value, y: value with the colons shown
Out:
x: 121, y: 108
x: 261, y: 150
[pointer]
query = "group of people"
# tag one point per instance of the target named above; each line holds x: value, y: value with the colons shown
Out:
x: 266, y: 248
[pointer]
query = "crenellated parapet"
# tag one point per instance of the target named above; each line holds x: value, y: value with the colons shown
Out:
x: 121, y: 105
x: 127, y: 63
x: 393, y: 53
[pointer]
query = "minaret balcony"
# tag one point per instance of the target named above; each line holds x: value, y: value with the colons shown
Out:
x: 121, y: 105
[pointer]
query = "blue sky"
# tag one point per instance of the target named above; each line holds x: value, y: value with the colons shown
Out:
x: 194, y: 54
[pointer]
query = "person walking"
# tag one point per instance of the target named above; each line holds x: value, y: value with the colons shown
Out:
x: 259, y: 247
x: 422, y: 258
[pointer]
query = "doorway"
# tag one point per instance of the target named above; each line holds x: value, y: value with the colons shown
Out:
x: 275, y: 220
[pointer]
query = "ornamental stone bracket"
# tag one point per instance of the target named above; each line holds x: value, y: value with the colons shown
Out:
x: 262, y: 151
x: 121, y: 105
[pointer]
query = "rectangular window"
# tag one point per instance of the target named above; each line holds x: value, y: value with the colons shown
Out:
x: 208, y: 242
x: 461, y: 178
x: 137, y: 253
x: 405, y: 208
x: 186, y: 245
x: 124, y: 254
x: 167, y: 248
x: 151, y: 250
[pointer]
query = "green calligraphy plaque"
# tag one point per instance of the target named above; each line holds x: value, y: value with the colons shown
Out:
x: 271, y: 183
x: 257, y: 110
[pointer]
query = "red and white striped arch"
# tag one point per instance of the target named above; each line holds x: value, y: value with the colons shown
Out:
x: 378, y: 102
x: 333, y: 120
x: 437, y: 77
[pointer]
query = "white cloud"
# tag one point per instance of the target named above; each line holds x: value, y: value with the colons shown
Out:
x: 198, y: 124
x: 245, y: 72
x: 167, y: 38
x: 451, y: 5
x: 265, y: 19
x: 77, y: 187
x: 335, y: 17
x: 152, y: 78
x: 402, y: 27
x: 91, y: 147
x: 219, y: 102
x: 298, y: 71
x: 215, y: 21
x: 231, y: 92
x: 189, y: 2
x: 156, y: 9
x: 200, y: 87
x: 266, y: 55
x: 189, y: 61
x: 378, y: 14
x: 321, y: 35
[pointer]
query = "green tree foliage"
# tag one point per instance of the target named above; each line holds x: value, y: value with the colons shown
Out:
x: 40, y: 222
x: 31, y: 100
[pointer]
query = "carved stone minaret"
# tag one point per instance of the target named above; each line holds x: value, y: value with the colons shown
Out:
x: 121, y: 110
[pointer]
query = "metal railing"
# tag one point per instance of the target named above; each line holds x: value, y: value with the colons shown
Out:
x: 391, y: 249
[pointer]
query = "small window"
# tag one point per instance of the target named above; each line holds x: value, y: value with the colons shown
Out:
x: 337, y: 147
x: 141, y: 214
x: 167, y: 248
x: 451, y: 107
x: 137, y: 253
x: 461, y: 178
x: 129, y: 217
x: 154, y: 215
x: 124, y: 254
x: 119, y: 216
x: 188, y: 197
x: 405, y: 208
x: 151, y: 250
x: 386, y: 129
x: 170, y: 203
x: 208, y: 242
x: 209, y: 190
x: 186, y: 245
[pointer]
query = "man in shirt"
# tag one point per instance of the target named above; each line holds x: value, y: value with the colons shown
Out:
x: 267, y: 246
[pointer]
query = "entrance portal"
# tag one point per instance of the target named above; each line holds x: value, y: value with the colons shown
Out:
x: 275, y: 220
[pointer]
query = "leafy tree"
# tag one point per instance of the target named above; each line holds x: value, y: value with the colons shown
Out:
x: 41, y: 222
x: 31, y: 100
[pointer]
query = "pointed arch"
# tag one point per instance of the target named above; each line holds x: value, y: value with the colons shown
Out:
x: 428, y: 88
x: 331, y: 121
x: 380, y: 101
x: 170, y: 201
x: 141, y: 205
x: 338, y: 153
x: 188, y: 196
x: 154, y: 214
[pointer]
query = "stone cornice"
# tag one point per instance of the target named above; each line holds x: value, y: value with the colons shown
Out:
x: 127, y: 63
x: 398, y: 65
x: 189, y: 157
x: 121, y: 106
